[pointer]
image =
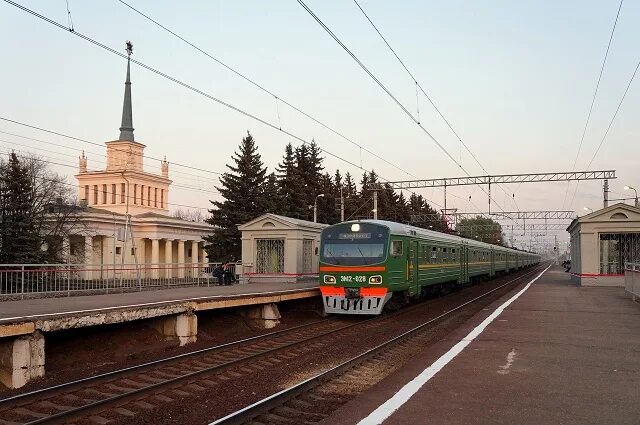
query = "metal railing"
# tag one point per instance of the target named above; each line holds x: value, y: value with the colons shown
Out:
x: 37, y: 280
x: 632, y: 279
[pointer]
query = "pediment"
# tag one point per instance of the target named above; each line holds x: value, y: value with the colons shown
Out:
x: 614, y: 213
x: 268, y: 222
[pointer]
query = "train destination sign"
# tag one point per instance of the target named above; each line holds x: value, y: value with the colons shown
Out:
x: 354, y: 236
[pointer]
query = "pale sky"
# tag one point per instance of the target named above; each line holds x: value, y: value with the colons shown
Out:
x: 515, y: 79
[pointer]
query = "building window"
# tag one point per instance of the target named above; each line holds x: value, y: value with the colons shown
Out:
x: 135, y: 194
x: 113, y: 193
x: 118, y: 250
x: 149, y: 196
x: 155, y: 197
x: 189, y: 252
x: 95, y: 194
x: 133, y: 251
x: 123, y: 193
x: 161, y: 198
x: 86, y: 192
x: 141, y: 194
x: 104, y: 194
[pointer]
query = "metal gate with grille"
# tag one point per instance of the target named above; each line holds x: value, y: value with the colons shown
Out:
x: 307, y: 256
x: 269, y: 255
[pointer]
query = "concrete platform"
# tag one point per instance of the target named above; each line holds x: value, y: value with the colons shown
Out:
x: 178, y: 299
x: 559, y: 354
x: 25, y: 323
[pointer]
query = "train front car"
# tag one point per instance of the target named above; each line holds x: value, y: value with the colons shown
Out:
x: 353, y: 263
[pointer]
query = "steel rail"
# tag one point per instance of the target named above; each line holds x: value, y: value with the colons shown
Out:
x: 26, y: 398
x: 114, y: 373
x: 263, y: 406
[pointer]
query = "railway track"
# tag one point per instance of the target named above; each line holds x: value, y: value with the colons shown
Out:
x: 135, y: 391
x: 311, y: 401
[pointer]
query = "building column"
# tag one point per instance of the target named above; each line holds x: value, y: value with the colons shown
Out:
x: 181, y: 263
x: 66, y: 246
x: 88, y: 256
x: 168, y: 257
x: 155, y: 257
x: 194, y: 258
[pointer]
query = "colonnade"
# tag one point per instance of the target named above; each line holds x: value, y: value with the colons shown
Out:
x: 160, y: 257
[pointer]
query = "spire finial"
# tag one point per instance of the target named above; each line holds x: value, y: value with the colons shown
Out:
x: 126, y: 128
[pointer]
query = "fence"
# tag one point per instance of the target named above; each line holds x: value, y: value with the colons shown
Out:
x: 632, y: 279
x: 18, y: 280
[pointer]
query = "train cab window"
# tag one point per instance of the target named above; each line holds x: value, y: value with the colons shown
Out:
x: 396, y: 248
x: 434, y: 254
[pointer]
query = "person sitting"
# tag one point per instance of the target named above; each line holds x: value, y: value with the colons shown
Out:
x: 229, y: 273
x: 218, y: 273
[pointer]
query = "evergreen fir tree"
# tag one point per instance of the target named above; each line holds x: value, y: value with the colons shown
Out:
x: 309, y: 165
x: 329, y: 205
x: 273, y: 195
x: 19, y: 231
x: 403, y: 213
x: 291, y: 183
x: 244, y: 199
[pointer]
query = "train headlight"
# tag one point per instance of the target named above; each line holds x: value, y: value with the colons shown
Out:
x: 375, y: 279
x: 329, y: 279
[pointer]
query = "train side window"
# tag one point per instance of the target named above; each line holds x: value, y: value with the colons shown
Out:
x: 396, y: 248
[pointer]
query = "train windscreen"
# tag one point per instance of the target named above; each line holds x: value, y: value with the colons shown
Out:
x: 354, y: 244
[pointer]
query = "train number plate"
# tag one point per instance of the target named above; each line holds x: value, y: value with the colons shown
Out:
x: 358, y: 279
x: 352, y: 293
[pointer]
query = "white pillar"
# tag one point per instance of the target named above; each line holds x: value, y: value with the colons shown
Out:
x: 88, y: 256
x: 66, y: 246
x: 168, y: 257
x: 155, y: 257
x: 194, y: 258
x: 181, y: 263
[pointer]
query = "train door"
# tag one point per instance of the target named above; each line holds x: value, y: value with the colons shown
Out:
x: 413, y: 266
x: 492, y: 259
x: 464, y: 266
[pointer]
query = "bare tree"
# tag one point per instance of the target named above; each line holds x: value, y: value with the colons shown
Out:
x: 194, y: 215
x: 53, y: 207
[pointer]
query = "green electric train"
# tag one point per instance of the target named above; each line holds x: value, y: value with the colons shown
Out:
x: 366, y: 263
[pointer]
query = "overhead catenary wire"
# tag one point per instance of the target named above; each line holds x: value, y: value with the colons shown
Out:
x: 606, y: 133
x: 264, y: 89
x: 35, y: 127
x: 69, y: 165
x: 624, y: 95
x: 385, y: 89
x: 419, y: 87
x: 178, y: 82
x: 593, y: 100
x: 81, y: 187
x: 102, y: 155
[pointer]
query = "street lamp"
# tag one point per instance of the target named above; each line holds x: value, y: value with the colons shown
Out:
x: 315, y: 207
x: 636, y: 192
x: 588, y: 209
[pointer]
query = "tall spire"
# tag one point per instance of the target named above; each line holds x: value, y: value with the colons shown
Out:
x: 126, y: 128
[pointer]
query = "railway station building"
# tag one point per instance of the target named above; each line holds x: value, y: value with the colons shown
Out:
x: 602, y: 242
x: 126, y: 217
x: 279, y: 248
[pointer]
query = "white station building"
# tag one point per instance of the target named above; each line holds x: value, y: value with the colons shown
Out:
x: 124, y: 189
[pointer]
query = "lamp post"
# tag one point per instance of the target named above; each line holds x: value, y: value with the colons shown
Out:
x: 588, y: 209
x: 636, y: 192
x: 315, y: 207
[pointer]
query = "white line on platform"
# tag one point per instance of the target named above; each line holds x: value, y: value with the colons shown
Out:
x: 99, y: 309
x: 387, y: 408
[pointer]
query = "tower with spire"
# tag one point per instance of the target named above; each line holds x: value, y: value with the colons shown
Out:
x: 124, y: 186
